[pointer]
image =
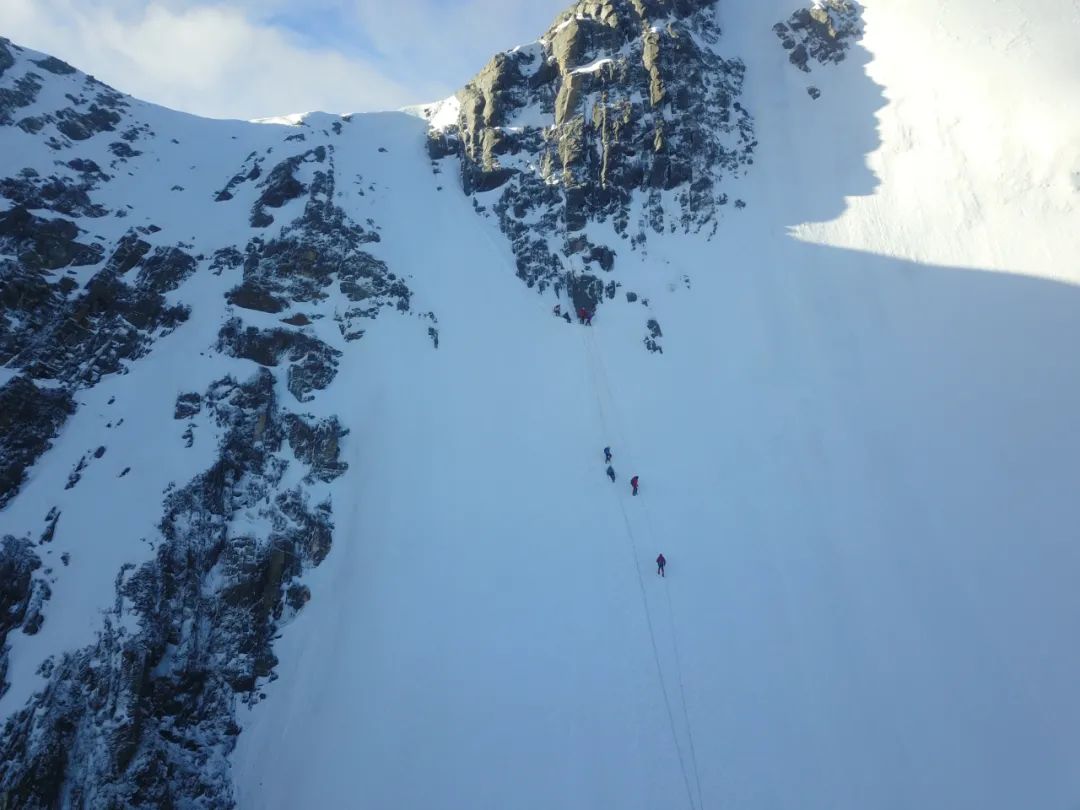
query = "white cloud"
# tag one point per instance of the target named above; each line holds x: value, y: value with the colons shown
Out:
x: 246, y: 59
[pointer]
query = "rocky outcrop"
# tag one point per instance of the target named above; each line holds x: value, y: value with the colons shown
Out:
x: 93, y: 108
x: 620, y: 101
x: 30, y: 417
x: 21, y: 595
x: 60, y: 193
x: 312, y: 364
x: 145, y: 717
x: 821, y: 33
x: 52, y: 334
x: 279, y: 187
x: 44, y: 244
x: 7, y: 59
x: 320, y: 248
x: 251, y: 172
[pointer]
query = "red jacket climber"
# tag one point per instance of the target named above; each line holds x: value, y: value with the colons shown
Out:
x: 581, y: 314
x: 633, y: 483
x: 660, y: 563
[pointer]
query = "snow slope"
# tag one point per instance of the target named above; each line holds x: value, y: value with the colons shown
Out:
x: 107, y: 521
x: 860, y: 464
x: 859, y: 453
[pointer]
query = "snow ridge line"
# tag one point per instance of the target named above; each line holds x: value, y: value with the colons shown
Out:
x: 595, y: 364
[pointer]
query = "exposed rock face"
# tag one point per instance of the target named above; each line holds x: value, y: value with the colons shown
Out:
x: 321, y: 248
x: 21, y: 595
x: 620, y: 100
x: 312, y: 364
x: 822, y: 33
x: 78, y: 338
x: 30, y: 417
x: 145, y: 717
x: 96, y: 109
x: 44, y: 244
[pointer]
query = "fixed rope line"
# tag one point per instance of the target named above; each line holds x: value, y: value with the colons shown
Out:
x: 682, y: 696
x: 600, y: 376
x: 678, y: 668
x: 656, y: 656
x: 635, y: 559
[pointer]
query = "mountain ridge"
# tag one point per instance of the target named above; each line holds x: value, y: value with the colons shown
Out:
x: 270, y: 359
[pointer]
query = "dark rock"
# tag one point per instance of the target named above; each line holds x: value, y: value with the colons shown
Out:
x: 312, y: 364
x: 251, y: 170
x: 317, y: 445
x: 21, y: 595
x: 7, y: 59
x: 165, y: 270
x: 652, y: 339
x: 54, y: 335
x: 585, y: 291
x: 123, y: 151
x: 129, y: 251
x: 250, y: 296
x: 54, y: 65
x: 45, y: 244
x: 23, y: 92
x: 82, y: 125
x: 76, y: 474
x: 146, y: 716
x: 822, y: 33
x: 29, y: 419
x: 60, y: 194
x: 187, y: 405
x: 281, y: 185
x: 50, y: 526
x: 659, y: 112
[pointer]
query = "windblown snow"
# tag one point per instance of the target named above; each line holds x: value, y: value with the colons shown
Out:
x: 859, y: 451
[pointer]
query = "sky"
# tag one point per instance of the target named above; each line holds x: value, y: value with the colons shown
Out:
x: 258, y: 58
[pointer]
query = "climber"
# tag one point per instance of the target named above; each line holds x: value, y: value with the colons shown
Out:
x: 558, y: 310
x: 607, y: 455
x: 660, y: 563
x: 581, y: 313
x: 634, y: 484
x: 588, y: 317
x: 611, y: 473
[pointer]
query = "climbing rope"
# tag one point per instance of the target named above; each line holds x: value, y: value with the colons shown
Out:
x: 682, y: 697
x: 611, y: 426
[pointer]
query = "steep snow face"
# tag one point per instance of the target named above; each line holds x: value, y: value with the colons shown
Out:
x: 978, y: 157
x: 859, y: 468
x: 377, y: 557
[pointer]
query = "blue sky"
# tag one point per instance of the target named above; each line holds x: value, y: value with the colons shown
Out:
x: 253, y: 58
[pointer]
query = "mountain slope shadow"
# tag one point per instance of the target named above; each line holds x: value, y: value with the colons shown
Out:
x: 899, y: 451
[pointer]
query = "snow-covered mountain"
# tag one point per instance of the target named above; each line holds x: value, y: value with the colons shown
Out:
x: 302, y: 491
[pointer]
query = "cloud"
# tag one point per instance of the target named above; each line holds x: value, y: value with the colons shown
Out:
x: 254, y: 58
x: 443, y: 43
